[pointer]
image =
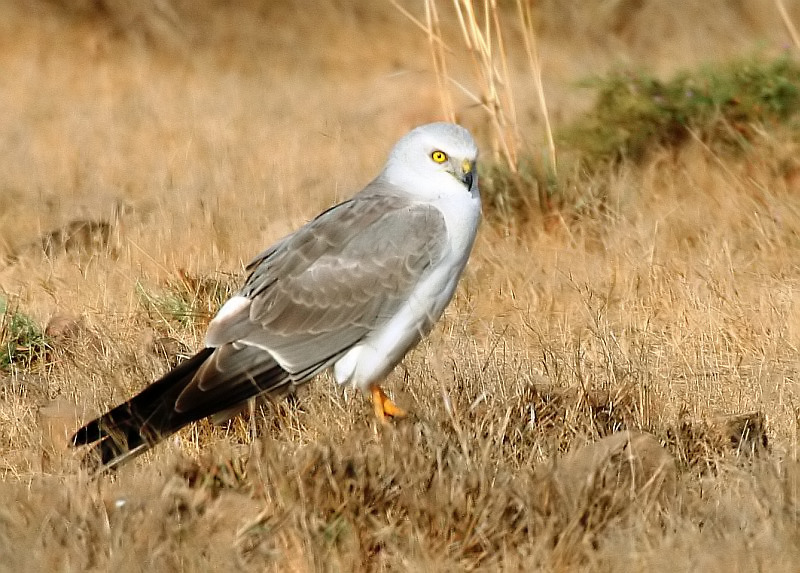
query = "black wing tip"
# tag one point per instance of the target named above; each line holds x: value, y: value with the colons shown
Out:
x: 108, y: 450
x: 124, y: 418
x: 106, y: 456
x: 88, y: 434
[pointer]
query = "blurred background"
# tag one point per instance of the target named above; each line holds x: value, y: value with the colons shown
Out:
x: 203, y: 113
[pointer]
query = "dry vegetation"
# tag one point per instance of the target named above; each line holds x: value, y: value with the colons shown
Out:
x: 148, y: 152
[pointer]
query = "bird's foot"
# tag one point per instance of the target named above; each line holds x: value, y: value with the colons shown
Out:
x: 384, y: 407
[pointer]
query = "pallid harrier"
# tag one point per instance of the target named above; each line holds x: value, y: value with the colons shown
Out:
x: 353, y: 289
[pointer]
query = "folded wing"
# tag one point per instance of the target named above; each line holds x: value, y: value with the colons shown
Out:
x: 306, y: 302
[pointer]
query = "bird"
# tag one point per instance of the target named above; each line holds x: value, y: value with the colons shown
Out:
x: 352, y: 290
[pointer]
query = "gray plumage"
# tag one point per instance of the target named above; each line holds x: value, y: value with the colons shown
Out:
x: 354, y: 288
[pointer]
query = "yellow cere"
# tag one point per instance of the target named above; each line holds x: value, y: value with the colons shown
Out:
x: 466, y: 166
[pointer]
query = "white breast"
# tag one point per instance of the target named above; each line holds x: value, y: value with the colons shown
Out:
x: 368, y: 362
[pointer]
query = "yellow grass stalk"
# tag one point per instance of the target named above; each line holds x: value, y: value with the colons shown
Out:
x: 788, y: 23
x: 496, y: 98
x: 438, y: 58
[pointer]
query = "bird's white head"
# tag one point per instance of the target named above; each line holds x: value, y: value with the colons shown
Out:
x: 434, y: 160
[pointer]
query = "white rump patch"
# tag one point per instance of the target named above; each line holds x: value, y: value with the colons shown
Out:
x: 223, y: 328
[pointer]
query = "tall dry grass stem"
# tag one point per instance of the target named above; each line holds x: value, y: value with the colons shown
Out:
x: 484, y: 32
x: 529, y: 39
x: 481, y: 35
x: 788, y: 23
x: 439, y: 59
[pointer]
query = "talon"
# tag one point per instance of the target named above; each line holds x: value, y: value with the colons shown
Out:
x: 384, y: 407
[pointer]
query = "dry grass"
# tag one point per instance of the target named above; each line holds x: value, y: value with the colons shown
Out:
x: 668, y: 302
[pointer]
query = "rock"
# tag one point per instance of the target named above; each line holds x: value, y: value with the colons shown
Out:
x: 80, y: 235
x: 63, y: 326
x: 615, y: 471
x: 58, y: 420
x: 171, y: 349
x: 703, y: 442
x: 742, y: 433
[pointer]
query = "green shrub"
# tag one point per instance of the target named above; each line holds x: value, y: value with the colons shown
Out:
x: 187, y: 300
x: 635, y: 112
x: 22, y: 341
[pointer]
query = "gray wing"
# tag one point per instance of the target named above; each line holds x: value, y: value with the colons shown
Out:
x: 308, y: 299
x: 319, y: 291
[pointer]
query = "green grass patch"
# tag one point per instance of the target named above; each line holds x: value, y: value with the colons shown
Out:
x: 22, y: 341
x: 724, y: 106
x: 187, y: 300
x: 730, y: 107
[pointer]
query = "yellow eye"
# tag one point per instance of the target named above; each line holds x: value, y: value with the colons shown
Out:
x: 439, y: 156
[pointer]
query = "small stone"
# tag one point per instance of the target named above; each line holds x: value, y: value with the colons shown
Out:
x: 617, y: 470
x: 58, y: 420
x: 62, y: 326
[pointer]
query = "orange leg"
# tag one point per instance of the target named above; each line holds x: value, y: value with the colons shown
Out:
x: 384, y: 406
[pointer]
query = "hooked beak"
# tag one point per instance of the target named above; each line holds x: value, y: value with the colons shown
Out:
x: 468, y: 175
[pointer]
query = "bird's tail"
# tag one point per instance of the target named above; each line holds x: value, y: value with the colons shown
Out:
x: 213, y: 380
